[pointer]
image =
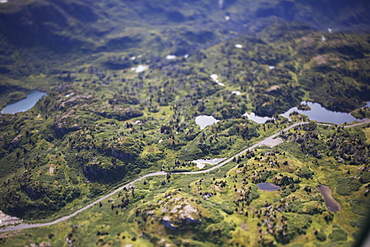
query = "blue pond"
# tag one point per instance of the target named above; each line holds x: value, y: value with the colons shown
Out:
x: 321, y: 114
x: 268, y: 186
x: 316, y: 113
x: 24, y: 104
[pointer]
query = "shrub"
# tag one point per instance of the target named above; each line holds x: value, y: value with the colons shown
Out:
x: 365, y: 177
x: 305, y: 173
x: 227, y: 208
x: 347, y: 185
x: 361, y: 206
x: 320, y: 236
x: 338, y: 235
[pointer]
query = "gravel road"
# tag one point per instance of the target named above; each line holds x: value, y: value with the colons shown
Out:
x: 269, y: 141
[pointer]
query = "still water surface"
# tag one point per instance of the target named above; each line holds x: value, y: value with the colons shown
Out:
x: 24, y: 104
x: 316, y: 113
x: 204, y: 121
x: 320, y: 114
x: 268, y: 187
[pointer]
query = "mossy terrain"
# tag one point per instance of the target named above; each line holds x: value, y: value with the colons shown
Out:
x: 103, y: 123
x: 226, y: 207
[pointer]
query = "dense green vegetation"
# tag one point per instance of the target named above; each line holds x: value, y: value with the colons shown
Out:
x: 226, y: 206
x: 103, y: 124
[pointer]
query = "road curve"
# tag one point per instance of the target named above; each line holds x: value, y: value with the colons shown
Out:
x: 161, y: 173
x: 365, y: 121
x: 26, y: 226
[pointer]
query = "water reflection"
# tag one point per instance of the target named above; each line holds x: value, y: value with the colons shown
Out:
x: 330, y: 202
x: 268, y: 187
x: 316, y: 113
x: 204, y: 121
x: 252, y: 116
x: 320, y: 114
x: 24, y: 104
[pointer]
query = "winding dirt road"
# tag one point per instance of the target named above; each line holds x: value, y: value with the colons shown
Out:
x: 269, y: 141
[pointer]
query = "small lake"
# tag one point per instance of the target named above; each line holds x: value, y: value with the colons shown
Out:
x: 256, y: 118
x: 367, y: 104
x: 24, y: 104
x: 201, y: 162
x: 268, y: 187
x: 140, y: 68
x: 330, y: 202
x: 316, y: 113
x: 204, y: 121
x: 320, y: 114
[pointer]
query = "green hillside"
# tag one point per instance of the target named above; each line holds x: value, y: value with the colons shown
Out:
x: 104, y: 124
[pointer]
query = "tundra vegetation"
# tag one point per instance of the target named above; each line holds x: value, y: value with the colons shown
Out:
x: 103, y: 124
